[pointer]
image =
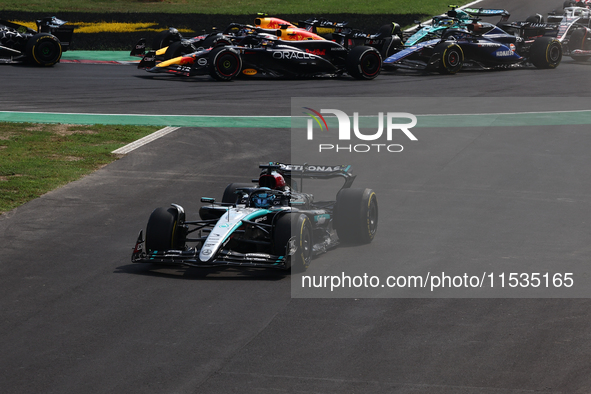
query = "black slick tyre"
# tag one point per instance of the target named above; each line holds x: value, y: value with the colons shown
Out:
x: 164, y: 39
x: 44, y: 49
x: 229, y: 196
x: 163, y: 231
x: 451, y: 58
x: 356, y: 215
x: 577, y: 41
x: 214, y: 41
x: 536, y: 18
x: 364, y: 62
x: 176, y: 49
x: 546, y: 52
x: 294, y: 231
x: 224, y: 63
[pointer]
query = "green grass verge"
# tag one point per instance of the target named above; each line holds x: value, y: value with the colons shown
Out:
x: 233, y: 7
x: 37, y: 158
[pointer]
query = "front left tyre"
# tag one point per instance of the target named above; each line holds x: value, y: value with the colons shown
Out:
x: 293, y: 234
x: 546, y: 52
x: 44, y: 49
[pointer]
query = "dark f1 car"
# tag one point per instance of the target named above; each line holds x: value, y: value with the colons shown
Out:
x: 270, y: 225
x: 170, y: 43
x: 43, y: 47
x: 266, y: 56
x: 478, y: 45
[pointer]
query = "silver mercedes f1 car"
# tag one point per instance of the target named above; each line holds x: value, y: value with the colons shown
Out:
x: 271, y: 224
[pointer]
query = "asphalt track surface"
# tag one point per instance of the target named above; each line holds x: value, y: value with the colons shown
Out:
x: 77, y: 316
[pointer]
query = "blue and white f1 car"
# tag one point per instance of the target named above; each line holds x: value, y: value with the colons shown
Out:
x: 268, y: 225
x: 477, y: 45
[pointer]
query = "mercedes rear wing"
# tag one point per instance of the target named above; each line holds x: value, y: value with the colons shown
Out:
x: 310, y: 171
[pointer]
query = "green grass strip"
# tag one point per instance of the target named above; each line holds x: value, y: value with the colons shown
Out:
x: 37, y: 158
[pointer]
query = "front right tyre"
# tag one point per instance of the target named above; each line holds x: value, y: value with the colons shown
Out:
x: 579, y: 39
x: 224, y: 63
x: 356, y: 215
x: 451, y: 58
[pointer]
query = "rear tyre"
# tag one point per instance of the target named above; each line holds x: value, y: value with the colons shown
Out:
x: 546, y: 52
x: 163, y: 231
x: 537, y: 18
x: 164, y: 39
x: 452, y: 58
x: 224, y: 63
x: 356, y: 215
x: 44, y: 49
x: 176, y: 49
x: 385, y: 31
x: 214, y: 41
x: 294, y: 231
x: 577, y: 41
x: 229, y: 196
x: 364, y: 63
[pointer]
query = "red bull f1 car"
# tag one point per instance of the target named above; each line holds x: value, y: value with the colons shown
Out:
x: 266, y: 56
x: 42, y: 47
x: 272, y: 224
x: 170, y: 43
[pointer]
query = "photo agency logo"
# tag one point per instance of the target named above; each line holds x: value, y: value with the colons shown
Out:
x: 369, y: 140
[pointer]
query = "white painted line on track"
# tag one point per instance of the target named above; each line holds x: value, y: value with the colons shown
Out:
x: 145, y: 140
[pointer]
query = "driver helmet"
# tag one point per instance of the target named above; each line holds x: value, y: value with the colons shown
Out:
x: 262, y: 199
x: 446, y: 22
x: 274, y: 181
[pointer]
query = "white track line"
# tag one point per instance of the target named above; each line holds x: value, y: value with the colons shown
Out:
x: 143, y: 141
